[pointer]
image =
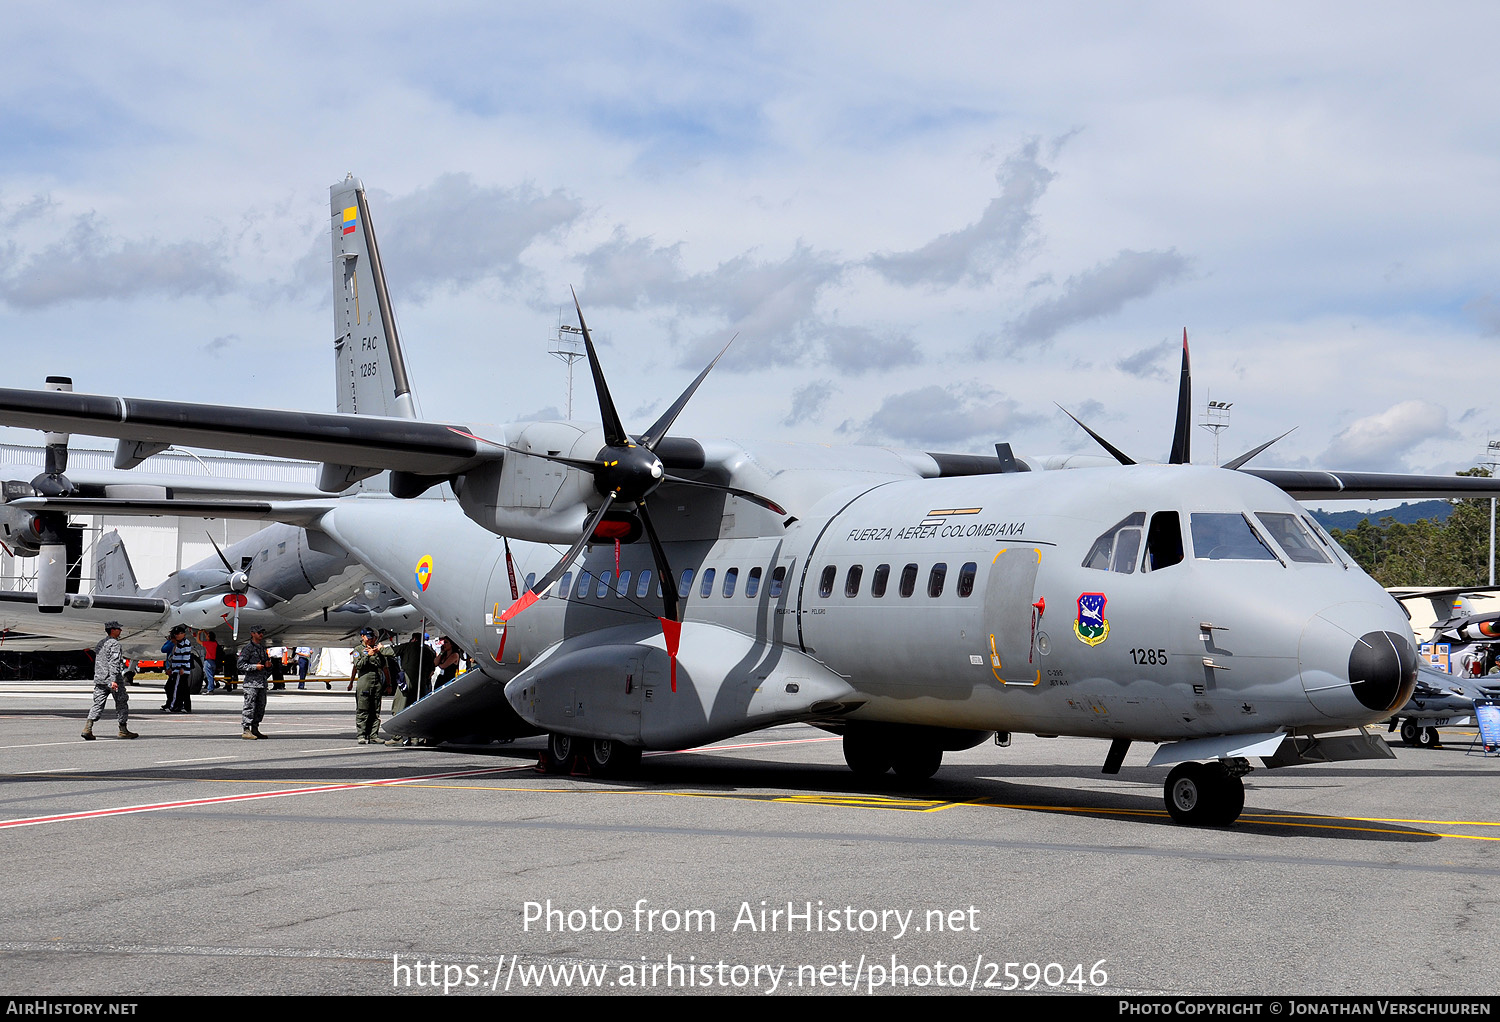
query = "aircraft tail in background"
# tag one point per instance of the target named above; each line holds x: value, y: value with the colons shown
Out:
x: 113, y: 575
x: 370, y: 369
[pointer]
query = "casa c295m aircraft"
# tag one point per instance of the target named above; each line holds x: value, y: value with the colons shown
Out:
x: 912, y: 602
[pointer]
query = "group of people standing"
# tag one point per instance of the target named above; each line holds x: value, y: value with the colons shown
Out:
x: 405, y: 669
x: 381, y: 666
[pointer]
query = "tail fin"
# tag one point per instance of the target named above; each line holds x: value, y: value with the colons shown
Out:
x: 369, y: 367
x: 113, y: 575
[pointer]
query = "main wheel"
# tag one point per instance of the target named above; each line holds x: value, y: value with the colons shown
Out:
x: 917, y: 762
x: 869, y: 759
x: 1409, y: 732
x: 609, y: 758
x: 560, y: 752
x: 1428, y: 738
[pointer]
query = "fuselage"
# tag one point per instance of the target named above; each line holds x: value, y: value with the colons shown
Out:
x: 1142, y: 602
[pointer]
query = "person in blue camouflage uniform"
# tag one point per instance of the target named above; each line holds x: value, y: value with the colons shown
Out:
x: 254, y: 664
x: 367, y: 678
x: 109, y: 677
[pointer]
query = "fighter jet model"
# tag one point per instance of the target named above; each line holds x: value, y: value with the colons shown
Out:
x: 912, y: 602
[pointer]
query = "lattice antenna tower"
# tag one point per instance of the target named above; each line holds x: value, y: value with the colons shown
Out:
x: 1216, y: 421
x: 567, y: 345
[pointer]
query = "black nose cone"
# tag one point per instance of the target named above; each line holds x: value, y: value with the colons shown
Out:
x: 1383, y: 670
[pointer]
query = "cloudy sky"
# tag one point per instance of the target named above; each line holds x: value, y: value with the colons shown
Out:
x: 925, y: 223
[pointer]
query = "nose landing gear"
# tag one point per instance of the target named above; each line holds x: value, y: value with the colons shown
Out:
x: 1206, y: 794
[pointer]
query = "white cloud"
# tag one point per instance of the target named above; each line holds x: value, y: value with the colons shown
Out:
x: 1380, y: 441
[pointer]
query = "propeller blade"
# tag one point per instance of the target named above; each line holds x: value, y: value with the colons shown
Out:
x: 614, y: 431
x: 659, y: 428
x: 1182, y: 436
x: 227, y: 566
x: 671, y: 621
x: 1119, y: 455
x: 671, y: 600
x: 754, y: 498
x: 544, y: 583
x: 1237, y: 462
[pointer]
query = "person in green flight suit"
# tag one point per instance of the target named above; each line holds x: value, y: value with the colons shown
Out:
x: 367, y: 678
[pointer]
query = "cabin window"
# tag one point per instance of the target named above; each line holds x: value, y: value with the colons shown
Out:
x: 707, y: 588
x: 564, y: 586
x: 851, y: 581
x: 623, y: 585
x: 825, y: 581
x: 966, y: 579
x: 1226, y: 536
x: 752, y: 583
x: 1293, y: 536
x: 684, y: 585
x: 604, y: 577
x: 1117, y: 549
x: 881, y: 577
x: 731, y: 578
x: 531, y: 581
x: 643, y: 584
x: 778, y: 581
x: 935, y: 579
x: 908, y: 580
x: 1163, y: 541
x: 584, y: 581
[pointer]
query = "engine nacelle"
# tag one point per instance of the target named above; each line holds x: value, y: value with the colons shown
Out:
x: 617, y: 684
x: 19, y: 530
x: 533, y: 498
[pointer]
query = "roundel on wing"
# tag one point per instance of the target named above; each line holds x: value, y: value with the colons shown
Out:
x: 424, y: 573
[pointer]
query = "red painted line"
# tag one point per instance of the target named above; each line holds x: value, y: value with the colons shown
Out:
x: 188, y: 803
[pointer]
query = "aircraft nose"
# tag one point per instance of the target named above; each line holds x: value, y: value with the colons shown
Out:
x: 1357, y: 662
x: 1382, y: 670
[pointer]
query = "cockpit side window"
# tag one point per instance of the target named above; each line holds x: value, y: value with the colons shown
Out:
x: 1163, y: 541
x: 1292, y: 535
x: 1227, y: 536
x: 1116, y: 550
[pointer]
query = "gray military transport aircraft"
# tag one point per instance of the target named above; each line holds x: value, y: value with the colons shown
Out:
x: 912, y: 602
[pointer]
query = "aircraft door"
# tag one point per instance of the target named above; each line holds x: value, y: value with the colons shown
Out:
x: 1010, y: 616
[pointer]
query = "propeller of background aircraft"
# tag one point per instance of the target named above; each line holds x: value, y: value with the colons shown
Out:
x: 626, y: 472
x: 237, y: 581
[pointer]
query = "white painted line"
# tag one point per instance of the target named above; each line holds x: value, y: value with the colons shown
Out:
x: 200, y: 759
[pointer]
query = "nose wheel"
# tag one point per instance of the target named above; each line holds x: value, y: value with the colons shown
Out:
x: 1421, y: 737
x: 1204, y: 794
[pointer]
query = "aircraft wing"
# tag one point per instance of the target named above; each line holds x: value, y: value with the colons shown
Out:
x: 80, y: 623
x: 1303, y: 484
x: 289, y: 512
x: 368, y: 441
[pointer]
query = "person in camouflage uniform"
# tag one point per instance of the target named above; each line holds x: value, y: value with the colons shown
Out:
x: 109, y: 663
x: 254, y: 664
x: 367, y: 678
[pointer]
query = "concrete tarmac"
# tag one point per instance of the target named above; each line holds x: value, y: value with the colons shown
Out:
x: 191, y: 861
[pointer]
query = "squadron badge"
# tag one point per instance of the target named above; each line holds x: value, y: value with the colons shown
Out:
x: 1091, y: 626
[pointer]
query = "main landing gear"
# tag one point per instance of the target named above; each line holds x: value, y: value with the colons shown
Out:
x: 1206, y: 794
x: 602, y: 757
x: 871, y: 755
x: 1421, y: 737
